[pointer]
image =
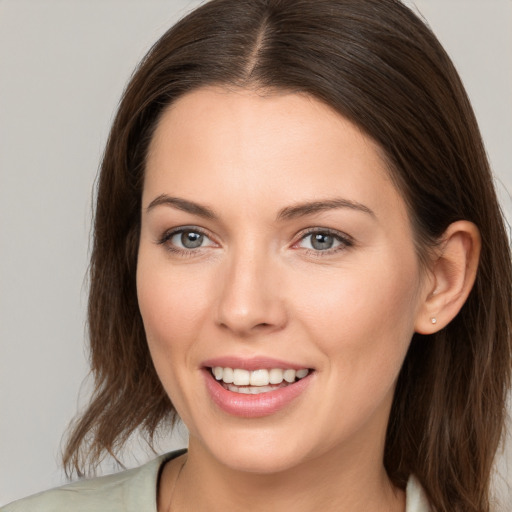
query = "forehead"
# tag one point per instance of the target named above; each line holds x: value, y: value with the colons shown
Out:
x: 218, y: 114
x: 249, y: 147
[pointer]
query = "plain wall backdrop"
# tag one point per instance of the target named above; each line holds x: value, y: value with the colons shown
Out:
x: 63, y: 66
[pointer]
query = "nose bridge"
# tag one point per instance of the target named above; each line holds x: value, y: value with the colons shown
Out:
x: 249, y: 298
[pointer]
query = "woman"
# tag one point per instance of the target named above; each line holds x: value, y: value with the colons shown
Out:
x: 298, y: 250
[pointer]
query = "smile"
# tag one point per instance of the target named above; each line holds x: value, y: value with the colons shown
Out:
x: 258, y: 381
x: 255, y: 391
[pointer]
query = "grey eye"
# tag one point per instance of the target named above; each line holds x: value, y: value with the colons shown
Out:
x: 322, y: 241
x: 189, y: 239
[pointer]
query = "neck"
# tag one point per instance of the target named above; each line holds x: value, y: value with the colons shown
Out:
x: 328, y: 482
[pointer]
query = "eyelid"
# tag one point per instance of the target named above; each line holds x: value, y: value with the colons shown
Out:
x: 345, y: 239
x: 170, y: 233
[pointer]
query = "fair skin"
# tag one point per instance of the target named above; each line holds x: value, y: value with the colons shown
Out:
x: 297, y: 248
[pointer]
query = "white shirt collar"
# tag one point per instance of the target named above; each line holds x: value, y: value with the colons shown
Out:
x: 416, y: 500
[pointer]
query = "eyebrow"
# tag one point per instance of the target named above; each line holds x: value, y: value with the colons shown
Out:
x: 310, y: 208
x: 182, y: 204
x: 290, y: 212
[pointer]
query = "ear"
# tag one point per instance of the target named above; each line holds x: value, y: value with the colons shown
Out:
x: 452, y: 273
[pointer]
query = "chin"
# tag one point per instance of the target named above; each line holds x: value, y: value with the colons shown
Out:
x: 264, y: 452
x: 256, y: 461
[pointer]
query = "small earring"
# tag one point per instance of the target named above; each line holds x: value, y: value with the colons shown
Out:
x: 433, y: 320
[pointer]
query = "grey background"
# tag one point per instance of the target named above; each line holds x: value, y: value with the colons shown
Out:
x: 63, y: 65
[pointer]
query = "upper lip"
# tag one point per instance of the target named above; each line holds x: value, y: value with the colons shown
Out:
x: 251, y: 363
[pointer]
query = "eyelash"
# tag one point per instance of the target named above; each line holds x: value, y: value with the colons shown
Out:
x: 168, y: 235
x: 345, y: 241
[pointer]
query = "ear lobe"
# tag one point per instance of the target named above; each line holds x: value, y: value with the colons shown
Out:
x: 453, y: 272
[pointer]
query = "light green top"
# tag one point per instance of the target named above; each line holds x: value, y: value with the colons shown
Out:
x: 135, y: 490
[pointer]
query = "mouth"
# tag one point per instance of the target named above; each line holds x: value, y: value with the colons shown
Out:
x: 255, y: 382
x: 256, y: 386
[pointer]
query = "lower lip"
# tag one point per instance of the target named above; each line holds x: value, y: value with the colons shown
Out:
x: 254, y: 406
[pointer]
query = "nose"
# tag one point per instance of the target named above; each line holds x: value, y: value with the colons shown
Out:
x: 250, y: 296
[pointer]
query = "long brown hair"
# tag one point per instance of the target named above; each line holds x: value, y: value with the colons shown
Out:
x: 378, y: 65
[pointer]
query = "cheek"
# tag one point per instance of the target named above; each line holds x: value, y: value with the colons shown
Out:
x: 172, y: 308
x: 363, y: 316
x: 172, y: 305
x: 362, y: 323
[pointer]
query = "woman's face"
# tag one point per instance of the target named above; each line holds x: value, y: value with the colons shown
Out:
x: 273, y: 240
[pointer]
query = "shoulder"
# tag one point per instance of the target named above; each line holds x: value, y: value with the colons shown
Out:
x: 103, y: 493
x: 127, y: 491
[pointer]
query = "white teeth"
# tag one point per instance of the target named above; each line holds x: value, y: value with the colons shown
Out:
x: 275, y: 376
x: 228, y: 375
x: 289, y: 375
x: 302, y: 373
x: 257, y: 379
x: 241, y: 377
x: 252, y: 390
